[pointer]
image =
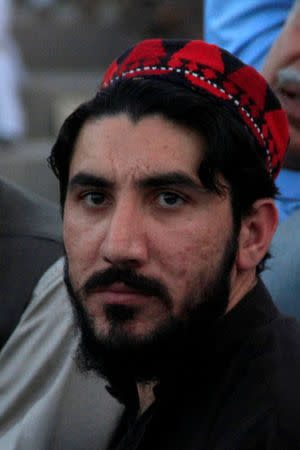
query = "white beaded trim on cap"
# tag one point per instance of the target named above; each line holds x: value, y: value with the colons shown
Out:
x: 201, y: 77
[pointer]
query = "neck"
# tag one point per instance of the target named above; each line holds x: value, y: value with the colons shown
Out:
x: 242, y: 283
x: 146, y: 395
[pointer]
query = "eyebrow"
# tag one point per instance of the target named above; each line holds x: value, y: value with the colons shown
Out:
x: 158, y: 180
x: 170, y: 179
x: 87, y: 179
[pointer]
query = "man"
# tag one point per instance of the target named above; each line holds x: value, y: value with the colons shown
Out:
x: 167, y: 185
x: 249, y: 31
x: 45, y: 403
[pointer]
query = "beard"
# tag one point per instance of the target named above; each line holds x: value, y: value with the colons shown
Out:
x: 118, y: 356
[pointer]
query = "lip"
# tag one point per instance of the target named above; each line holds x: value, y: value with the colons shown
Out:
x: 120, y: 294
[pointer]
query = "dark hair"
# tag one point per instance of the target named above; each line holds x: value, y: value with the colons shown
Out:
x: 231, y: 149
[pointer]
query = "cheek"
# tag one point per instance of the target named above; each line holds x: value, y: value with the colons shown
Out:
x: 80, y: 248
x: 186, y: 252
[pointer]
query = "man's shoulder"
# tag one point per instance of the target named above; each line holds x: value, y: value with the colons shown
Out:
x: 272, y: 371
x: 259, y: 397
x: 274, y: 348
x: 51, y: 280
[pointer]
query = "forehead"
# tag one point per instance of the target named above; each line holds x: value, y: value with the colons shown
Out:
x: 117, y: 146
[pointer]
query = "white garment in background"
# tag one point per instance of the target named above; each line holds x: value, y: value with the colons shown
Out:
x: 46, y: 404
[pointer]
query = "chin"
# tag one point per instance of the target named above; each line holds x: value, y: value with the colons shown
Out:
x: 129, y: 349
x: 127, y: 322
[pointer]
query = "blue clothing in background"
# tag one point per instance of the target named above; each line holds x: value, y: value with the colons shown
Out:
x: 288, y: 182
x: 248, y: 28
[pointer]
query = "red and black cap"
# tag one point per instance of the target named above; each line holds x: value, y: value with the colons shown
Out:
x: 205, y: 66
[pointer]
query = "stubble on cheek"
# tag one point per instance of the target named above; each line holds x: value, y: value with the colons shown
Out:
x: 96, y: 314
x: 194, y: 268
x: 79, y: 250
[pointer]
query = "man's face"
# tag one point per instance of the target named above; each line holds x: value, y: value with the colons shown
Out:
x: 145, y: 241
x: 282, y: 70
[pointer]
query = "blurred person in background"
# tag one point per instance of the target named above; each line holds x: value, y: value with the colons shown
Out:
x: 267, y: 34
x: 249, y: 29
x: 30, y: 234
x: 12, y: 118
x: 45, y: 403
x: 282, y: 69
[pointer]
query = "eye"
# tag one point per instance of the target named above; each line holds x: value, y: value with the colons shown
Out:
x: 170, y: 199
x: 95, y: 199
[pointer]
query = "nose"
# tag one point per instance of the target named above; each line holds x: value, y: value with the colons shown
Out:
x: 125, y: 241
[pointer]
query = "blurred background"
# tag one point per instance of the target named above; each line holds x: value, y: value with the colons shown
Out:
x: 58, y: 51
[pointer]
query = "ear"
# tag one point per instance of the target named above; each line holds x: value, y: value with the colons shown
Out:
x: 256, y: 234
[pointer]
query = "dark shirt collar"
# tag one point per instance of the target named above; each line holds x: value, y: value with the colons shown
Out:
x: 253, y: 311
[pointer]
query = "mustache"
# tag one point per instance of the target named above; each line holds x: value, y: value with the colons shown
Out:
x: 146, y: 286
x: 288, y: 75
